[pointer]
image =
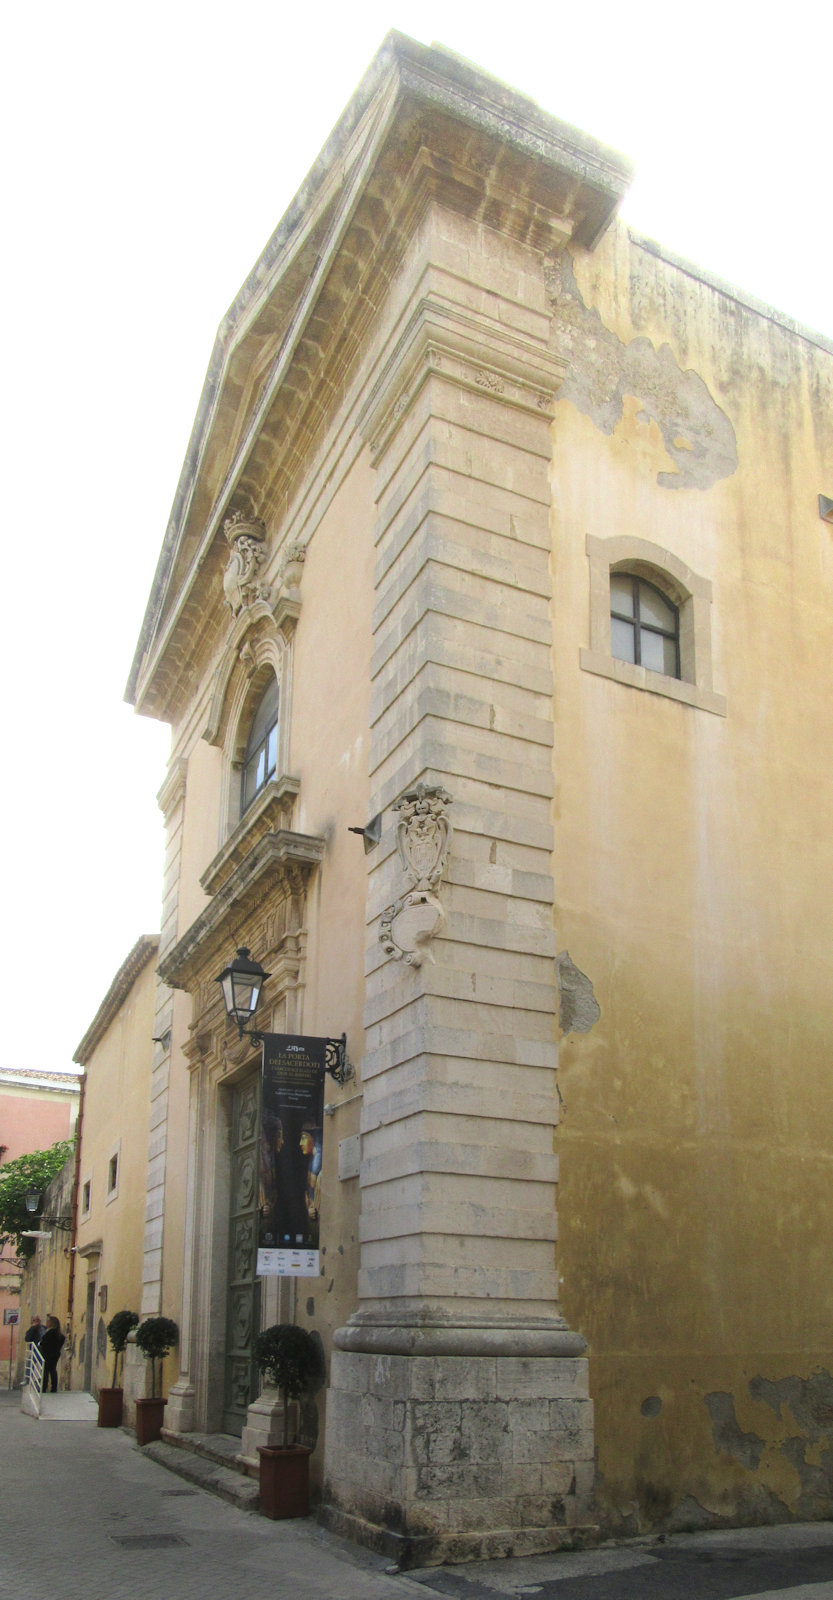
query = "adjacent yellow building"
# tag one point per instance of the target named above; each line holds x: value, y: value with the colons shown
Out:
x: 503, y: 537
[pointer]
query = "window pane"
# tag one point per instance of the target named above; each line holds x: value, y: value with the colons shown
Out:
x: 621, y: 596
x: 272, y: 751
x: 653, y: 608
x: 669, y: 650
x: 652, y: 648
x: 266, y: 714
x: 622, y: 640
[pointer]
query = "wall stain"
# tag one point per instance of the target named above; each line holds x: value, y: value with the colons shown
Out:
x: 696, y: 432
x: 747, y: 1448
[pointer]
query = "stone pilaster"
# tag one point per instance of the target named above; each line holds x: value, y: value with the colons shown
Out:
x: 171, y: 799
x: 457, y: 1394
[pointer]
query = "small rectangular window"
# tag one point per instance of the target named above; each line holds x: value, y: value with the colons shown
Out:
x: 113, y: 1174
x: 86, y: 1197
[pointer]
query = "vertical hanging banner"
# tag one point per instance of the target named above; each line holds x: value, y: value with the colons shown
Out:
x: 291, y: 1140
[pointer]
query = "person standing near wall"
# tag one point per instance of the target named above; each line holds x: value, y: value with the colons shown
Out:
x: 51, y: 1345
x: 34, y: 1332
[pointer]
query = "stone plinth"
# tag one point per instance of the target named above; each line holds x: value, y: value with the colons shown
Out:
x: 449, y: 1458
x: 264, y: 1426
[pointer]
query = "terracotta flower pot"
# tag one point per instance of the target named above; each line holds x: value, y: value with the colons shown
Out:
x: 150, y: 1414
x: 110, y: 1407
x: 284, y: 1481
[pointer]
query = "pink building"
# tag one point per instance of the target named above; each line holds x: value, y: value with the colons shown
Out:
x: 36, y: 1110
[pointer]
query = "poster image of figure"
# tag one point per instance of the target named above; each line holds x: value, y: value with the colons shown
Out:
x: 292, y: 1118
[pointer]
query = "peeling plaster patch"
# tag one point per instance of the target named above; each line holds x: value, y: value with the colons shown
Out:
x: 578, y: 1008
x: 698, y: 435
x: 809, y: 1399
x: 747, y: 1448
x: 652, y: 1406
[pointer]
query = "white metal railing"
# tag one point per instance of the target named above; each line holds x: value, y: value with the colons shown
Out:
x: 33, y: 1379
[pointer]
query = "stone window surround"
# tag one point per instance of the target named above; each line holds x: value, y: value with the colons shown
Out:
x: 690, y: 593
x: 86, y: 1195
x: 259, y: 647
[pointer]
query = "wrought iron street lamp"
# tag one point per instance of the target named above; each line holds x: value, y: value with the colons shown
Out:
x: 241, y: 983
x: 33, y: 1200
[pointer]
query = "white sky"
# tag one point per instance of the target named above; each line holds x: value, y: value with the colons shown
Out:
x: 149, y: 153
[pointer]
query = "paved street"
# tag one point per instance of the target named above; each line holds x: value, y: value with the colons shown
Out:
x: 87, y: 1517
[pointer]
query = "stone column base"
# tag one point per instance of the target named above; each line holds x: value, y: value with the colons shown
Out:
x: 442, y: 1458
x: 180, y: 1413
x: 264, y: 1426
x: 135, y: 1377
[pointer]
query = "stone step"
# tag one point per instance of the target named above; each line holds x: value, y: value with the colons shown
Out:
x: 206, y: 1472
x: 223, y: 1448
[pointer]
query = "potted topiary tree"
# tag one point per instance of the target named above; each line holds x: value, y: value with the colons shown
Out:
x: 155, y: 1337
x: 111, y: 1401
x: 289, y: 1358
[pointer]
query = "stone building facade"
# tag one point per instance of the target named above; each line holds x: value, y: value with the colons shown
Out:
x: 91, y: 1267
x: 37, y: 1109
x: 496, y: 531
x: 116, y: 1053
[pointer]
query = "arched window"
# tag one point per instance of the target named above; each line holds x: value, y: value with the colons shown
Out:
x: 261, y: 756
x: 650, y: 622
x: 644, y: 625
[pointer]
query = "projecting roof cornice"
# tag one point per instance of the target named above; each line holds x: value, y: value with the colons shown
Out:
x: 143, y: 950
x: 423, y: 125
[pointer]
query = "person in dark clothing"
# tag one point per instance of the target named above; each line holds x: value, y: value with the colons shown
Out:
x: 50, y: 1347
x: 34, y: 1331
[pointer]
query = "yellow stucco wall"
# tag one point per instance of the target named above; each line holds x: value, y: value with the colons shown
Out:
x: 110, y: 1235
x: 692, y: 864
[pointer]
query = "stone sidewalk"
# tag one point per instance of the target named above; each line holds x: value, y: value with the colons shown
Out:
x: 87, y: 1514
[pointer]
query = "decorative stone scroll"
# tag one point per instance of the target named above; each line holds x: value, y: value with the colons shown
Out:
x: 423, y: 836
x: 242, y: 581
x: 292, y: 566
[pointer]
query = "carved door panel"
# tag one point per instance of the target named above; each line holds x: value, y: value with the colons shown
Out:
x: 243, y: 1290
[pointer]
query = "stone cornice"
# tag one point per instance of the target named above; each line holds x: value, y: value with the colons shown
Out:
x: 143, y: 951
x: 422, y: 124
x: 278, y: 861
x: 173, y: 789
x: 272, y: 808
x: 470, y: 350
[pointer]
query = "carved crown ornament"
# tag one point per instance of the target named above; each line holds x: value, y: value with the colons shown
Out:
x: 264, y: 616
x: 243, y: 583
x: 423, y: 837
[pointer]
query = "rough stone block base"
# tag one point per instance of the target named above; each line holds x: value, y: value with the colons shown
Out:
x: 448, y: 1458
